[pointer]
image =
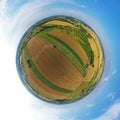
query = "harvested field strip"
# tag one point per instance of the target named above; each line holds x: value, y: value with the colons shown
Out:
x: 41, y: 88
x: 68, y: 52
x: 100, y: 69
x: 97, y: 47
x: 100, y: 52
x: 35, y: 45
x: 57, y: 22
x: 90, y: 72
x: 71, y: 42
x: 42, y: 78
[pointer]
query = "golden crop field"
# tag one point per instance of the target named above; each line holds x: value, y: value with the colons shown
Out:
x: 57, y: 22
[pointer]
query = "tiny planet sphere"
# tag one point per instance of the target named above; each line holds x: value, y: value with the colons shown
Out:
x: 60, y: 59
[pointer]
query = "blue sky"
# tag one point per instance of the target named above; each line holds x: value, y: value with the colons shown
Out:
x: 103, y: 16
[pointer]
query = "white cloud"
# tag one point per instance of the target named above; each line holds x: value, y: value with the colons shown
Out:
x: 2, y: 7
x: 113, y: 113
x: 15, y: 101
x: 114, y: 72
x: 83, y: 6
x: 90, y: 105
x: 46, y: 113
x: 106, y: 78
x: 111, y: 96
